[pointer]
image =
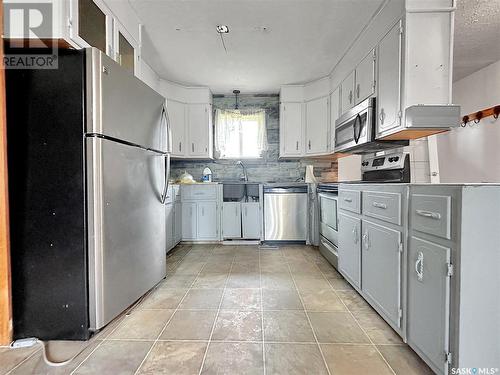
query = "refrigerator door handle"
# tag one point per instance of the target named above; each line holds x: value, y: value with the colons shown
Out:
x: 167, y: 177
x: 164, y: 116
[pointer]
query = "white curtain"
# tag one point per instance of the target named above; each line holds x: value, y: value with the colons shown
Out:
x: 240, y: 134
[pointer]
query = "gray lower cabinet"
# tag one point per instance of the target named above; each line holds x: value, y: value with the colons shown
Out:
x: 169, y: 223
x: 189, y: 221
x: 231, y: 220
x: 381, y: 268
x: 429, y: 300
x: 177, y: 222
x: 207, y: 221
x: 251, y: 220
x: 350, y: 248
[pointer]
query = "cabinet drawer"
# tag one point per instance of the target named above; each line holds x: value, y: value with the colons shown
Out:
x: 382, y: 206
x: 199, y: 192
x: 350, y: 200
x: 431, y: 214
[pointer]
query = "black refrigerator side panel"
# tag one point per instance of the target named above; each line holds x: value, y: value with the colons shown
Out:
x: 45, y: 139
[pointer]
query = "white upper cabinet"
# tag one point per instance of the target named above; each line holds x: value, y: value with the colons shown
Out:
x: 334, y: 115
x: 347, y: 101
x: 291, y: 130
x: 177, y: 116
x: 365, y: 78
x: 389, y: 81
x: 317, y: 126
x: 91, y: 24
x: 199, y: 131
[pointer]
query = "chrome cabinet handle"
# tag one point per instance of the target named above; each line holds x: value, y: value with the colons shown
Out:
x: 192, y: 147
x: 297, y: 145
x: 309, y: 144
x: 180, y: 146
x: 350, y: 96
x: 419, y: 266
x: 381, y: 116
x: 349, y: 200
x: 355, y: 234
x: 366, y: 241
x: 357, y: 90
x: 429, y: 214
x: 379, y: 205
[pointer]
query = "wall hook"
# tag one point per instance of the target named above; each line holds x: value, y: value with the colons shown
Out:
x: 496, y: 112
x: 465, y: 120
x: 479, y: 116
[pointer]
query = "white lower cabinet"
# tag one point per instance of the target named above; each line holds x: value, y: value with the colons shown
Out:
x: 189, y: 221
x: 177, y: 222
x: 350, y: 248
x: 381, y: 268
x: 169, y: 223
x: 207, y: 221
x: 251, y: 219
x: 231, y: 220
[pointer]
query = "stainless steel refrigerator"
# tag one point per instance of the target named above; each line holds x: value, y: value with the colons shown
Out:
x: 88, y: 149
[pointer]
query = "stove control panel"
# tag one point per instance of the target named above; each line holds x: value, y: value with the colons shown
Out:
x: 389, y: 161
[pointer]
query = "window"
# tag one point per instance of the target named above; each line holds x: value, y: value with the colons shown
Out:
x: 240, y: 134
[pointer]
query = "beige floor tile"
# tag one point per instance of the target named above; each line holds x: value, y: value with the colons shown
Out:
x: 403, y: 360
x: 210, y: 280
x: 10, y: 358
x: 241, y: 299
x: 163, y: 299
x: 322, y: 300
x: 234, y: 325
x: 177, y: 281
x: 354, y: 360
x: 277, y: 281
x: 281, y: 300
x: 179, y: 358
x: 190, y: 325
x: 234, y: 358
x: 308, y: 283
x: 328, y: 271
x: 290, y: 326
x: 353, y: 300
x: 337, y: 327
x: 224, y: 250
x: 303, y: 268
x: 243, y: 280
x: 294, y: 359
x: 340, y: 284
x: 142, y: 324
x: 217, y: 267
x: 115, y: 357
x: 376, y: 328
x: 274, y: 267
x: 57, y: 351
x: 246, y: 267
x: 202, y: 299
x: 189, y: 268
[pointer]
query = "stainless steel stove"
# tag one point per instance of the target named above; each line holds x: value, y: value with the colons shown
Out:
x: 390, y: 168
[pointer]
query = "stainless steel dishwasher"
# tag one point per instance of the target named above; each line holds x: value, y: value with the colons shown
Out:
x: 285, y: 213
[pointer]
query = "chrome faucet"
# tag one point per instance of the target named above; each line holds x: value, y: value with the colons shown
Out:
x: 244, y: 177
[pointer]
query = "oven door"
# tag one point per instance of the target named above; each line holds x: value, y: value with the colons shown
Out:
x: 328, y: 218
x: 355, y: 128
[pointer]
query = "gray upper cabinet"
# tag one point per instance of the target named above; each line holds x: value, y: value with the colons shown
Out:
x: 365, y: 78
x: 347, y: 93
x: 350, y: 247
x: 381, y: 268
x: 429, y: 301
x: 389, y: 81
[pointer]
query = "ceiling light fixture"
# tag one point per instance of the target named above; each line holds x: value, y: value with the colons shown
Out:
x: 222, y: 29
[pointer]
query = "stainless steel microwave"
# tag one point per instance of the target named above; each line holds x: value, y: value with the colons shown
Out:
x: 355, y: 131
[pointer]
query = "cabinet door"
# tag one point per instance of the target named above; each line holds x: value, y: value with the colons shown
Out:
x: 389, y: 81
x: 126, y: 53
x: 291, y: 129
x: 189, y: 227
x: 381, y: 268
x: 347, y: 101
x: 251, y: 219
x: 428, y: 301
x: 177, y: 222
x: 207, y: 221
x: 177, y: 117
x: 92, y: 26
x: 334, y: 115
x: 169, y: 222
x: 231, y: 220
x: 199, y: 130
x: 365, y: 78
x: 350, y: 247
x: 317, y: 112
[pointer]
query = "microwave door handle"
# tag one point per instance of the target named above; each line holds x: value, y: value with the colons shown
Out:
x: 357, y: 121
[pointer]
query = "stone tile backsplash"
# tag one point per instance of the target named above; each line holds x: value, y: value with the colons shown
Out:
x: 270, y: 167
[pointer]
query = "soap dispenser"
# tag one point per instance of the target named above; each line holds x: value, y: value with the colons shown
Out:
x: 207, y: 175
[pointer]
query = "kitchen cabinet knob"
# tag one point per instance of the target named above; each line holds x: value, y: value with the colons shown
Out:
x: 366, y: 241
x: 381, y: 116
x: 419, y: 266
x: 429, y: 214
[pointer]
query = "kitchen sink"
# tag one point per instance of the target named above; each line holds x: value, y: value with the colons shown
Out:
x: 239, y: 191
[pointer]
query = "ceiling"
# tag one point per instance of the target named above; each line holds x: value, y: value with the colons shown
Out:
x: 477, y: 36
x: 270, y: 42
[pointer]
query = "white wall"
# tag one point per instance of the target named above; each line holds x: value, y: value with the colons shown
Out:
x: 472, y: 154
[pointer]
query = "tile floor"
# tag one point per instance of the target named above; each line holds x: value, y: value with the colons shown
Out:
x: 237, y: 310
